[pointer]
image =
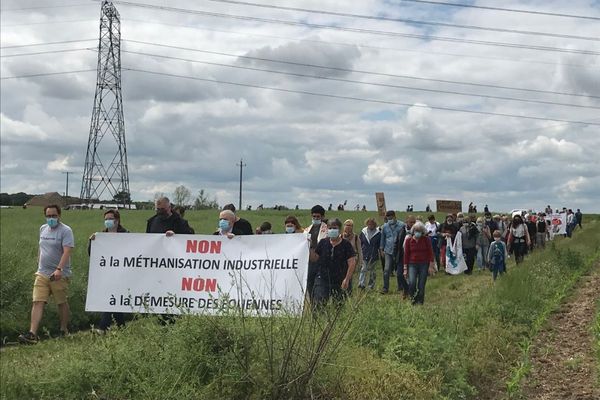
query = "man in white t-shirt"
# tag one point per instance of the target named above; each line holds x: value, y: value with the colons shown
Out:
x: 53, y: 273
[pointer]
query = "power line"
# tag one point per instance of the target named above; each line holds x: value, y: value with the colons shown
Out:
x: 43, y: 7
x: 68, y: 21
x: 327, y: 95
x: 362, y: 45
x: 47, y: 74
x: 357, y: 30
x: 356, y: 70
x: 362, y: 82
x: 46, y: 52
x: 47, y: 43
x: 441, y: 3
x: 404, y: 20
x: 366, y: 46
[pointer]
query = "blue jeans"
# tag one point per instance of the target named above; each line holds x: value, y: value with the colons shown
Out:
x: 417, y: 277
x: 390, y: 263
x: 368, y: 267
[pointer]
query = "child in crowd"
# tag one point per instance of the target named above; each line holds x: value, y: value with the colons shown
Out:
x: 497, y: 255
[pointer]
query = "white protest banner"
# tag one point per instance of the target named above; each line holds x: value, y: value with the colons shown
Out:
x: 153, y: 273
x: 558, y: 224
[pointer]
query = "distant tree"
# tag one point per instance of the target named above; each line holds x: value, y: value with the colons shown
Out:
x: 5, y: 199
x: 122, y: 198
x: 182, y: 196
x: 203, y: 203
x: 18, y: 199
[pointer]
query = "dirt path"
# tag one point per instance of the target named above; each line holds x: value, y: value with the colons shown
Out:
x: 562, y: 356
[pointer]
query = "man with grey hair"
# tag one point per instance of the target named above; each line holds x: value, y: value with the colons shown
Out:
x: 226, y: 224
x: 165, y: 220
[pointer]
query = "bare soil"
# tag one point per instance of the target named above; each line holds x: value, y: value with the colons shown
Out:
x: 562, y: 356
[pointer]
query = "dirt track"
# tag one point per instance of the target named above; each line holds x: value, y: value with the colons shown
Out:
x: 562, y: 356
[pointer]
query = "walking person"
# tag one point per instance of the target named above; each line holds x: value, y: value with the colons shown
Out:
x: 316, y: 232
x: 482, y: 243
x: 469, y: 235
x: 542, y: 231
x: 112, y: 224
x: 418, y: 262
x: 433, y: 233
x: 497, y: 255
x: 389, y: 237
x: 370, y: 237
x: 53, y: 272
x: 532, y: 231
x: 354, y: 240
x: 455, y: 260
x: 404, y: 234
x: 518, y: 239
x: 448, y: 227
x: 579, y: 216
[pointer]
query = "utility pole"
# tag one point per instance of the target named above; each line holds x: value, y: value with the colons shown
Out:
x: 67, y: 187
x: 241, y: 165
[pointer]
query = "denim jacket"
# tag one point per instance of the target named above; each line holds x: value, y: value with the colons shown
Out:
x: 389, y: 235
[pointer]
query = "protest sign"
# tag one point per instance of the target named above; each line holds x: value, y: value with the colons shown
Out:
x: 380, y: 199
x: 558, y: 224
x: 153, y: 273
x: 448, y: 206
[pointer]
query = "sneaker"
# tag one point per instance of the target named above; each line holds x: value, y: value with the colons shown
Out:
x: 28, y: 338
x: 97, y: 331
x: 64, y: 334
x: 383, y: 291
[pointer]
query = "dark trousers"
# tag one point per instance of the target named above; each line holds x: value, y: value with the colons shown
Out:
x: 417, y: 276
x: 519, y: 249
x: 313, y: 267
x: 324, y: 290
x: 470, y: 255
x: 108, y: 318
x: 402, y: 282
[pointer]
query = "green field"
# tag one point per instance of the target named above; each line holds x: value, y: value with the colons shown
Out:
x: 467, y: 341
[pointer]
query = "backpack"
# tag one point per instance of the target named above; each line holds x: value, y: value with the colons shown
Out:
x: 497, y: 254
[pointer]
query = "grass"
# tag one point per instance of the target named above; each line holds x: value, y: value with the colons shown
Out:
x: 468, y: 341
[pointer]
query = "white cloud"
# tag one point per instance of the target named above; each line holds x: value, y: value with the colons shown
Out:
x: 304, y: 149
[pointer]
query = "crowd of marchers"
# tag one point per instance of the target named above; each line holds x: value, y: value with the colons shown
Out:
x: 409, y: 250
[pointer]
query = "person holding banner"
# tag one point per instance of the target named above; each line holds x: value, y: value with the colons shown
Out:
x: 336, y: 262
x: 316, y: 232
x: 112, y: 224
x: 292, y: 225
x: 166, y: 221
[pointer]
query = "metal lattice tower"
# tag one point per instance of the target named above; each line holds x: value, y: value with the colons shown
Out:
x: 107, y: 129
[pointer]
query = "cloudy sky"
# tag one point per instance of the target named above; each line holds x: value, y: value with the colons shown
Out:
x: 513, y: 123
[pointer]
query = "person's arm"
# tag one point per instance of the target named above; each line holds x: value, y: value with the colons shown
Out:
x: 509, y: 239
x: 63, y: 260
x: 351, y: 266
x: 382, y: 240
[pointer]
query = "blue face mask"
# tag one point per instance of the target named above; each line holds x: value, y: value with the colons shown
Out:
x: 316, y: 222
x: 333, y: 233
x: 290, y: 229
x: 52, y: 222
x: 109, y: 223
x: 223, y: 224
x: 418, y: 234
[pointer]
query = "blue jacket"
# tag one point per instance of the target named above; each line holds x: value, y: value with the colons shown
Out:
x: 389, y: 236
x: 370, y: 248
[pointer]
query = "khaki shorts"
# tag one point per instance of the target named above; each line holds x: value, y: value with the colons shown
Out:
x: 43, y: 287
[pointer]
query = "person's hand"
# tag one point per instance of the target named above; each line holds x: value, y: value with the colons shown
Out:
x: 405, y: 273
x: 230, y: 235
x: 169, y: 233
x: 57, y: 274
x: 93, y: 237
x: 432, y: 268
x: 345, y: 283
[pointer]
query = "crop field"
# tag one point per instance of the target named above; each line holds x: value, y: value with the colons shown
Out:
x: 469, y: 340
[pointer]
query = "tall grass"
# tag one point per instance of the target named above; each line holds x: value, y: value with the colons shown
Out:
x: 467, y: 341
